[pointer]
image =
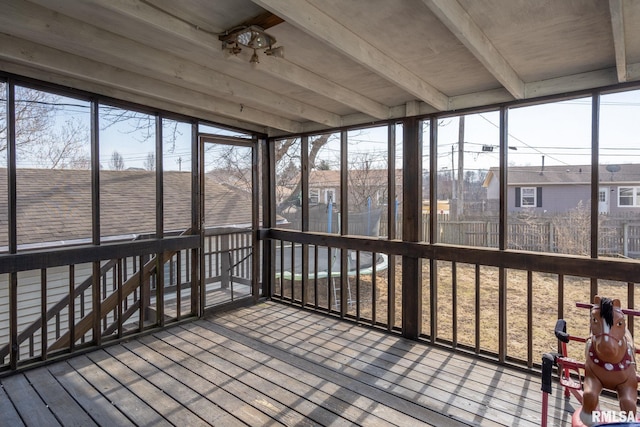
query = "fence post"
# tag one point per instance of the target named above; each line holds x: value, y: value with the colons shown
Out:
x: 625, y: 239
x: 551, y: 237
x: 487, y: 234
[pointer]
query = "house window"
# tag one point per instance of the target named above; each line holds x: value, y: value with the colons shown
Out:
x: 314, y: 196
x: 629, y: 196
x: 602, y: 196
x: 528, y: 197
x: 329, y: 196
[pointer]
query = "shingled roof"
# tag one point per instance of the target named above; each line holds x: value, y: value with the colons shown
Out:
x: 55, y: 205
x: 567, y: 174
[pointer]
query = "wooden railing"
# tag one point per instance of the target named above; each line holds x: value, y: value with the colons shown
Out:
x: 53, y: 313
x: 58, y: 307
x: 228, y: 268
x: 138, y: 282
x: 500, y: 305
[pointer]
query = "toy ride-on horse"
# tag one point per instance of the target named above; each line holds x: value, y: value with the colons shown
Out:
x: 609, y: 364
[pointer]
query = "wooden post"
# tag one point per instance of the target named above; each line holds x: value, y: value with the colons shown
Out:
x: 502, y: 277
x: 433, y: 227
x: 411, y: 221
x: 625, y: 239
x: 225, y: 261
x: 344, y: 224
x: 159, y: 223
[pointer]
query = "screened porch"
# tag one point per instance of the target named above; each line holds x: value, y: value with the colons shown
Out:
x: 269, y: 212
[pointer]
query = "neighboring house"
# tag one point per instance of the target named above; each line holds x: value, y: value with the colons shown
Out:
x: 368, y: 191
x: 54, y: 205
x: 324, y: 185
x: 555, y: 189
x: 54, y: 209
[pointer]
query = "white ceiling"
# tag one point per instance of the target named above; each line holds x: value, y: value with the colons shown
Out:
x: 346, y: 62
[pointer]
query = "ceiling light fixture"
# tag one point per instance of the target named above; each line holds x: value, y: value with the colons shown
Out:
x: 252, y: 37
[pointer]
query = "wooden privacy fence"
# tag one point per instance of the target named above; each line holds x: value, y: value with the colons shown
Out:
x: 618, y: 239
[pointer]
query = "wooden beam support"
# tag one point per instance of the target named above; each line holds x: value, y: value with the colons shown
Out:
x: 41, y: 25
x: 290, y: 72
x: 633, y: 73
x: 277, y: 67
x: 325, y: 28
x: 411, y: 229
x: 616, y: 8
x: 454, y: 17
x: 572, y: 83
x: 49, y: 60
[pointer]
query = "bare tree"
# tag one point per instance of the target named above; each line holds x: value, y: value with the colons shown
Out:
x: 142, y: 124
x: 150, y: 162
x: 573, y: 231
x: 365, y: 182
x: 324, y: 165
x: 232, y: 166
x: 41, y: 139
x: 63, y: 149
x: 116, y: 162
x: 288, y: 176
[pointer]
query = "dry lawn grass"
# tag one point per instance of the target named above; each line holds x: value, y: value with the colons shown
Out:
x: 544, y: 306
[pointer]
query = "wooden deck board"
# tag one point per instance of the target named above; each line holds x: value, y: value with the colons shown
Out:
x: 183, y: 366
x: 272, y: 364
x: 309, y: 385
x: 137, y: 383
x: 273, y: 393
x: 115, y: 390
x: 326, y: 385
x: 32, y: 409
x: 10, y: 414
x: 182, y: 393
x: 307, y: 394
x: 101, y: 410
x: 62, y: 405
x: 222, y: 372
x: 427, y: 403
x: 488, y: 390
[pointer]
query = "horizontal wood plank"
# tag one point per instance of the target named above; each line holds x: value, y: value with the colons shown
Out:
x: 27, y: 402
x: 116, y: 391
x: 62, y: 405
x: 9, y: 413
x: 96, y: 405
x: 274, y: 364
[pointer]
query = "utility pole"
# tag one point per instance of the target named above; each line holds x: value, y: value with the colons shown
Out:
x: 460, y: 183
x: 453, y: 172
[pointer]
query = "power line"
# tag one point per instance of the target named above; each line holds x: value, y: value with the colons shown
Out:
x: 524, y: 143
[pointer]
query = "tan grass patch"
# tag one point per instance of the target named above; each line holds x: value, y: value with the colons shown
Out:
x: 544, y: 306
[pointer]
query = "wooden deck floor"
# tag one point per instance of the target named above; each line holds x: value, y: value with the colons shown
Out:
x: 272, y: 364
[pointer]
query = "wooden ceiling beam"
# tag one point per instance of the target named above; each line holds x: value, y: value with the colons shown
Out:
x: 616, y: 8
x: 288, y: 71
x: 44, y: 26
x: 264, y: 20
x: 276, y: 67
x: 325, y: 28
x: 45, y: 60
x: 458, y: 21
